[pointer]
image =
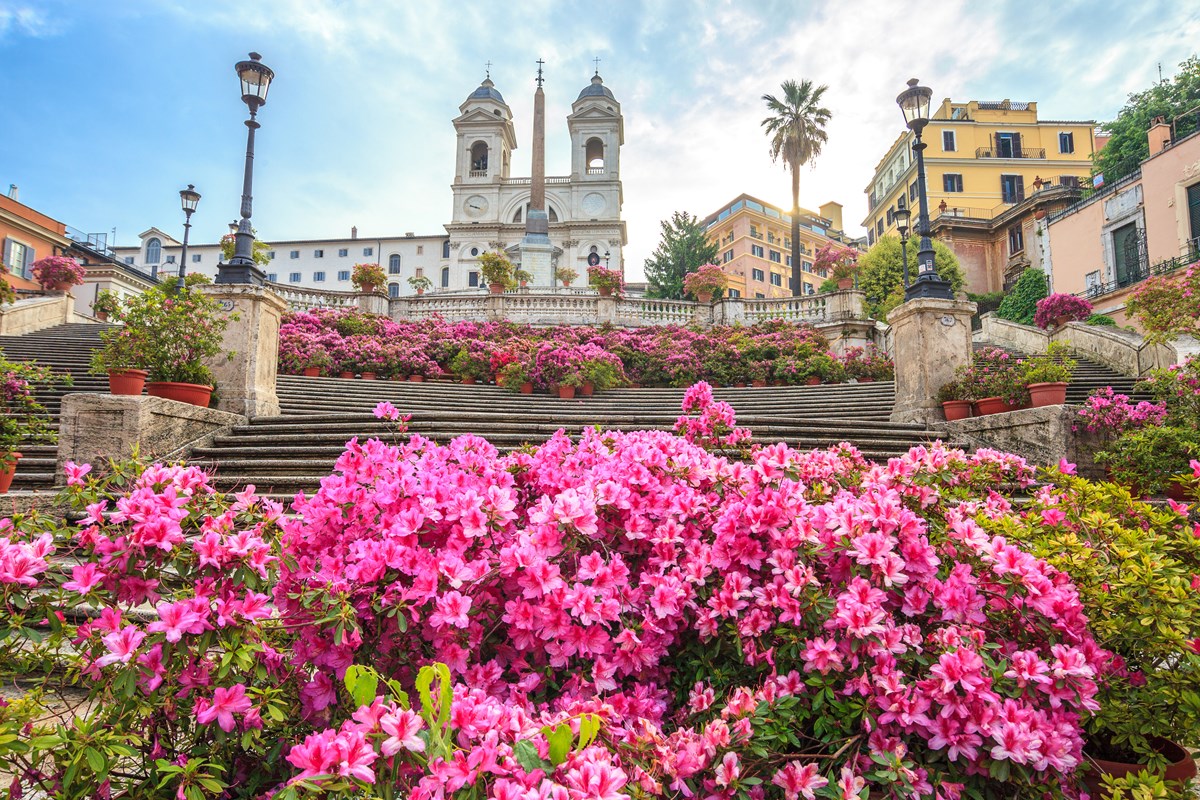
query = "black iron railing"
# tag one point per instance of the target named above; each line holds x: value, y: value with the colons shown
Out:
x: 1016, y: 152
x: 1140, y: 272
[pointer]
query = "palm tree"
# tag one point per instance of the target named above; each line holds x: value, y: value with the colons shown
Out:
x: 797, y: 131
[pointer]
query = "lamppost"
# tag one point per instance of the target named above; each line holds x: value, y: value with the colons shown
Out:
x: 255, y: 78
x: 914, y: 105
x: 189, y: 198
x: 606, y: 259
x: 901, y: 215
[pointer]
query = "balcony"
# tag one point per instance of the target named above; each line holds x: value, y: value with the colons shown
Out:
x: 595, y: 170
x: 1015, y: 152
x: 477, y: 173
x: 756, y: 235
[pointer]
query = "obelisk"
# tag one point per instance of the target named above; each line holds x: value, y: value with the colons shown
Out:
x: 535, y: 249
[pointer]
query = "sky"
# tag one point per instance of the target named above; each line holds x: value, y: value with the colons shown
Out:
x: 115, y: 106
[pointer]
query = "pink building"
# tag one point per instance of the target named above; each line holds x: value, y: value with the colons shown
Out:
x: 1147, y: 223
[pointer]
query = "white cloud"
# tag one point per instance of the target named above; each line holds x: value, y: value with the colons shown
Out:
x: 25, y: 20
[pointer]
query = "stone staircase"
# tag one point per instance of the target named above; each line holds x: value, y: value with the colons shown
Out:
x: 291, y: 452
x: 1089, y: 376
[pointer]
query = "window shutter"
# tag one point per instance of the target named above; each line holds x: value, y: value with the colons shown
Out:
x: 1193, y: 194
x: 8, y: 245
x: 1016, y: 140
x: 995, y: 145
x: 29, y: 259
x: 1020, y: 187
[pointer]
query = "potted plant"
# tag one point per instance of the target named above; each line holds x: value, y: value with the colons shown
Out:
x: 567, y: 275
x: 58, y: 273
x: 172, y: 334
x: 318, y: 361
x: 24, y: 419
x: 1134, y: 567
x: 497, y: 271
x: 119, y: 356
x: 1047, y: 375
x: 706, y: 282
x: 995, y: 379
x: 841, y: 263
x: 515, y: 376
x: 472, y: 363
x: 608, y: 282
x: 1058, y: 309
x: 956, y: 400
x: 522, y: 277
x: 107, y: 303
x: 420, y: 283
x: 367, y: 277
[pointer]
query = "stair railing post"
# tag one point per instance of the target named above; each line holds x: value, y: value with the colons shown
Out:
x: 931, y: 338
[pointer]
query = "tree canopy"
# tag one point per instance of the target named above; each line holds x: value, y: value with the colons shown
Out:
x: 684, y: 248
x: 796, y: 128
x: 1128, y: 145
x: 881, y: 272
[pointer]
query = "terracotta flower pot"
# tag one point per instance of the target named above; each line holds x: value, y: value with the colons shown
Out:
x: 1061, y: 320
x: 526, y: 388
x: 1177, y: 492
x: 345, y: 374
x: 420, y: 292
x: 991, y: 405
x: 399, y: 378
x: 496, y: 288
x: 368, y: 376
x: 813, y: 381
x: 567, y: 284
x: 8, y: 468
x: 1180, y: 768
x: 957, y: 409
x: 312, y: 372
x: 759, y: 384
x: 367, y: 288
x: 1047, y: 394
x: 416, y: 378
x: 605, y: 291
x: 866, y: 380
x: 468, y: 381
x: 588, y: 389
x: 127, y: 381
x: 845, y: 283
x: 194, y: 393
x: 102, y: 316
x: 566, y: 392
x: 704, y: 297
x: 63, y: 286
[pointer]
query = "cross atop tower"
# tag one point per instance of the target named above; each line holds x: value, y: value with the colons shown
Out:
x: 539, y: 77
x: 488, y: 69
x: 596, y: 60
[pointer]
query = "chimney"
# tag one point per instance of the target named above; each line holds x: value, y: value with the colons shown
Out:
x: 1159, y: 135
x: 12, y: 192
x: 353, y: 231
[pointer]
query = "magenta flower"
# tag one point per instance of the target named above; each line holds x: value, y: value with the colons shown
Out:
x: 225, y: 703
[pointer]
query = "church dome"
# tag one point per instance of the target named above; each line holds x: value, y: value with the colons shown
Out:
x: 487, y: 91
x: 595, y: 89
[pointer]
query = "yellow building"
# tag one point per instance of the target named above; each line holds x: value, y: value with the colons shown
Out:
x: 981, y: 160
x: 755, y: 238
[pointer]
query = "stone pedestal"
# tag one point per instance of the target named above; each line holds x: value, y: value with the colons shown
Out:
x: 95, y: 427
x: 537, y: 258
x: 373, y: 303
x: 931, y: 337
x: 606, y: 310
x: 246, y: 382
x: 1041, y: 436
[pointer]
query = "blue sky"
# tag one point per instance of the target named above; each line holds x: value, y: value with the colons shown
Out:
x: 114, y: 106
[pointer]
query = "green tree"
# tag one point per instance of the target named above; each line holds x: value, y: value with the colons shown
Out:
x: 260, y: 253
x: 1128, y: 144
x: 1021, y: 303
x: 684, y: 248
x: 797, y: 131
x: 881, y: 272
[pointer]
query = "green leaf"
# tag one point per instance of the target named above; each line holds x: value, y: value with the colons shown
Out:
x: 589, y: 727
x: 560, y: 743
x: 526, y: 754
x: 94, y: 759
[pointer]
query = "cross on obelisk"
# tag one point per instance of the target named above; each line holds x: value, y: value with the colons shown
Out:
x: 536, y: 251
x: 539, y: 77
x: 596, y: 60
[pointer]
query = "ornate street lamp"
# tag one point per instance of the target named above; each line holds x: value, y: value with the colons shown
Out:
x: 901, y: 216
x: 189, y: 198
x: 255, y: 78
x: 606, y: 259
x: 914, y: 105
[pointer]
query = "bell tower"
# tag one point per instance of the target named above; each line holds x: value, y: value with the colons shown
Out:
x: 486, y: 137
x: 597, y: 133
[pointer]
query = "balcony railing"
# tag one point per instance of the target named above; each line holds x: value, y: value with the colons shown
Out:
x: 1016, y: 152
x: 1142, y: 271
x: 595, y: 170
x: 477, y: 173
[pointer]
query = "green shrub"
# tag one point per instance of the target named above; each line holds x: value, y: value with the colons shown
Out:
x: 1021, y: 304
x: 881, y: 270
x: 1100, y: 320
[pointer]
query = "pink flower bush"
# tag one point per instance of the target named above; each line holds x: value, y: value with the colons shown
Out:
x: 627, y: 614
x: 1111, y: 414
x: 1049, y: 309
x: 53, y: 271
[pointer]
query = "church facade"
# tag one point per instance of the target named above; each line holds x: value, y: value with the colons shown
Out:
x: 488, y: 213
x: 490, y: 206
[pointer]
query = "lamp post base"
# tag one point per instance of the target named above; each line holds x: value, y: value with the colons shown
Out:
x: 929, y: 288
x: 240, y: 273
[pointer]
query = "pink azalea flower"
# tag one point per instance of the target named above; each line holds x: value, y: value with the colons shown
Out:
x: 225, y: 703
x: 75, y: 473
x: 121, y: 645
x: 84, y: 577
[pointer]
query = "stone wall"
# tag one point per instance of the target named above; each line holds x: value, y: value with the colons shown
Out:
x: 36, y: 313
x: 1042, y: 436
x: 94, y: 427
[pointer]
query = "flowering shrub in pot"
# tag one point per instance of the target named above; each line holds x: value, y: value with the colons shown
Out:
x: 1047, y: 375
x: 57, y: 272
x: 24, y: 420
x: 867, y: 364
x: 607, y: 281
x: 497, y: 272
x: 956, y: 400
x: 840, y: 262
x: 1059, y: 309
x: 706, y: 282
x: 107, y: 302
x: 420, y: 284
x: 367, y: 277
x: 1149, y: 459
x: 995, y: 379
x: 517, y: 376
x: 473, y: 362
x: 1109, y: 414
x: 567, y: 275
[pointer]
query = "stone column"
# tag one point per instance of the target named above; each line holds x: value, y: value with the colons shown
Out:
x: 931, y: 337
x: 246, y: 382
x: 373, y: 303
x: 606, y: 310
x: 846, y: 304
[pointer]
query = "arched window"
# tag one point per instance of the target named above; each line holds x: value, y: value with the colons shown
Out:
x: 519, y: 214
x: 394, y: 264
x: 445, y: 277
x: 153, y: 251
x: 479, y: 157
x: 446, y: 249
x: 393, y: 290
x: 594, y: 155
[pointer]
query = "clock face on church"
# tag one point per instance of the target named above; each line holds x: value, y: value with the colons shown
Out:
x: 475, y: 206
